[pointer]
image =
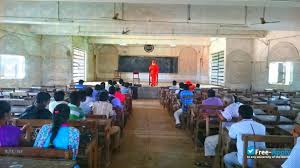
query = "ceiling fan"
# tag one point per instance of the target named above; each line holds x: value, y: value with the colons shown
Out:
x: 125, y: 31
x: 263, y: 20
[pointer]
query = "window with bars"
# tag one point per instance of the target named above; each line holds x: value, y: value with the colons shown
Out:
x: 78, y: 64
x: 217, y: 68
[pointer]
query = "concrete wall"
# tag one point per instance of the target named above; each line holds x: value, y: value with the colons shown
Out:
x: 17, y: 40
x: 193, y: 61
x: 282, y: 46
x: 238, y: 63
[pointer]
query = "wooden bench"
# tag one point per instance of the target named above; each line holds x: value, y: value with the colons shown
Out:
x: 274, y: 139
x: 88, y: 153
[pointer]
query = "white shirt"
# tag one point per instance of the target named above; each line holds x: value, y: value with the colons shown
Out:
x: 231, y: 111
x: 173, y: 87
x: 107, y: 87
x: 86, y: 106
x: 293, y: 160
x: 244, y: 127
x: 103, y: 108
x: 53, y: 104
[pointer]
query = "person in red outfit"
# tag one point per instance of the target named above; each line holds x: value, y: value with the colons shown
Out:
x: 153, y: 71
x: 119, y: 95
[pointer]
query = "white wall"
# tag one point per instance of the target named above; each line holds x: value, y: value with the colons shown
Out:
x: 283, y: 46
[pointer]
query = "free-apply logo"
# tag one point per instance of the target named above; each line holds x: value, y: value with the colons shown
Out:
x: 251, y: 151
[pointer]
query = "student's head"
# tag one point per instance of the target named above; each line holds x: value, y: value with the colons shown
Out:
x: 82, y: 95
x: 110, y: 82
x: 211, y: 93
x: 235, y: 99
x: 174, y: 83
x: 98, y: 87
x: 186, y: 87
x: 228, y: 99
x: 112, y: 90
x: 102, y: 83
x: 118, y: 89
x: 197, y: 85
x: 89, y: 92
x: 121, y: 81
x: 4, y: 110
x: 103, y: 96
x: 126, y: 85
x: 60, y: 116
x: 59, y: 96
x: 246, y: 112
x: 75, y: 97
x: 102, y: 86
x: 181, y: 85
x: 43, y: 99
x: 114, y: 83
x: 81, y: 82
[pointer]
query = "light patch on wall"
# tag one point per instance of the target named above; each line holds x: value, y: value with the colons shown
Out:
x: 12, y: 67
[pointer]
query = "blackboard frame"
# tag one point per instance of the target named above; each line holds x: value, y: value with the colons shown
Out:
x: 170, y: 62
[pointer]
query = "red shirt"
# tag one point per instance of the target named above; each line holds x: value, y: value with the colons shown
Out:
x: 153, y: 69
x: 120, y: 96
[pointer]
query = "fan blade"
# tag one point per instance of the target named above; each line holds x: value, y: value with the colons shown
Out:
x: 273, y: 22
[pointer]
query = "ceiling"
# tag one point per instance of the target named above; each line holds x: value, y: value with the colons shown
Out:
x: 154, y: 18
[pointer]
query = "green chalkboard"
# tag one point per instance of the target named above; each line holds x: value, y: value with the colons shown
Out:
x: 141, y: 64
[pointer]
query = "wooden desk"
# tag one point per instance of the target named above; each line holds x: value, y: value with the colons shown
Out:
x: 259, y: 112
x: 18, y: 162
x: 285, y: 129
x: 272, y: 119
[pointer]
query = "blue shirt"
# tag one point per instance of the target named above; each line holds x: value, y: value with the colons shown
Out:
x: 186, y: 99
x: 79, y: 86
x: 124, y: 90
x: 116, y: 103
x: 293, y: 160
x: 95, y: 94
x: 245, y: 127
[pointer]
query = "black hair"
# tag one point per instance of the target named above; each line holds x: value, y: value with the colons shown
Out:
x: 197, y: 85
x: 246, y: 111
x: 81, y: 81
x: 236, y: 99
x: 102, y: 96
x: 89, y: 91
x: 114, y: 83
x: 60, y: 115
x: 174, y: 83
x: 121, y: 81
x: 211, y: 93
x: 102, y: 86
x: 126, y: 84
x: 98, y: 87
x: 110, y: 82
x: 112, y: 90
x: 75, y: 97
x: 117, y: 89
x: 59, y: 95
x: 42, y: 97
x: 4, y: 108
x: 186, y: 87
x: 181, y: 85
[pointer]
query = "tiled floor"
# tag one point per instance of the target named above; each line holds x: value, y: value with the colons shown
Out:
x: 152, y: 141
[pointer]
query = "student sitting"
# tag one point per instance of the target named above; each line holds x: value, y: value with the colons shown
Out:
x: 119, y: 95
x: 10, y: 136
x: 245, y: 126
x: 121, y: 82
x: 212, y: 100
x: 186, y: 99
x: 87, y: 100
x: 181, y: 86
x: 293, y: 159
x: 116, y: 103
x: 38, y: 110
x: 76, y: 113
x: 110, y: 83
x: 174, y: 86
x: 231, y: 111
x: 102, y: 106
x: 125, y: 89
x: 96, y: 91
x: 197, y: 89
x: 59, y: 134
x: 80, y: 85
x: 59, y: 98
